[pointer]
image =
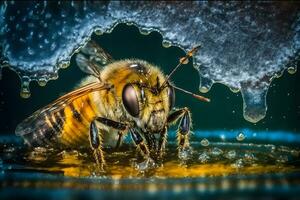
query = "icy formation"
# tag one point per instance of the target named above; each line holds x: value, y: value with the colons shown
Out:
x: 245, y: 44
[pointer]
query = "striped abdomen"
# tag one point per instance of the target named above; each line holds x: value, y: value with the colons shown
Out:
x: 67, y: 125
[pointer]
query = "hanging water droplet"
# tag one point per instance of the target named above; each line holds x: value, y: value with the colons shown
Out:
x: 25, y: 91
x: 234, y: 89
x: 166, y: 43
x: 64, y: 64
x: 205, y: 84
x: 145, y: 31
x: 129, y: 23
x: 42, y: 82
x: 292, y: 70
x: 240, y: 137
x: 254, y: 103
x: 204, y: 142
x: 98, y: 31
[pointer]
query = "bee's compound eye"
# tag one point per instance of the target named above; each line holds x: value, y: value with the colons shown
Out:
x: 130, y: 100
x: 171, y: 94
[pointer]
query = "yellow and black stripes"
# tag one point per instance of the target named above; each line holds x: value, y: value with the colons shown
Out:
x: 79, y: 115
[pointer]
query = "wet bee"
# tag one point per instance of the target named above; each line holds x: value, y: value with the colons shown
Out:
x: 123, y: 97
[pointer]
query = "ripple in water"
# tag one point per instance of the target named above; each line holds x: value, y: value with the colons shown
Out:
x: 244, y: 43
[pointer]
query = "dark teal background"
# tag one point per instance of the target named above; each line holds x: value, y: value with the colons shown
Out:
x: 224, y: 112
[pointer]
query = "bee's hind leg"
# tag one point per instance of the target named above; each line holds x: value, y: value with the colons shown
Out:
x: 183, y: 129
x: 96, y: 145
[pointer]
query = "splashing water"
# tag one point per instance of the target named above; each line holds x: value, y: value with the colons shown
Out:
x: 244, y: 44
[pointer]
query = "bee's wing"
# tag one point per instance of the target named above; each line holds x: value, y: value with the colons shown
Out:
x: 91, y: 58
x: 34, y: 129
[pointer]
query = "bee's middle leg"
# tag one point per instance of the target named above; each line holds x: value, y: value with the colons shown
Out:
x: 96, y: 145
x: 96, y: 140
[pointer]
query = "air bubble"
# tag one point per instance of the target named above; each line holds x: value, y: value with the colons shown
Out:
x: 292, y: 70
x: 204, y: 142
x: 166, y: 43
x: 240, y: 137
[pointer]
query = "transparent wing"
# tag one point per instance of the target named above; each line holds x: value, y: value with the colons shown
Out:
x: 91, y: 58
x: 35, y: 130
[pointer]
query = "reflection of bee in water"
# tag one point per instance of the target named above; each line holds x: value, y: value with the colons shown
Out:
x: 125, y: 96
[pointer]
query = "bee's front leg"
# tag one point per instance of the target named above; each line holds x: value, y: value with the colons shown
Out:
x: 183, y: 128
x: 96, y: 145
x: 139, y: 142
x: 162, y: 142
x: 143, y: 149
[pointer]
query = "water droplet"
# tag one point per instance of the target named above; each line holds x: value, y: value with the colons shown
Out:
x: 203, y: 157
x: 282, y: 159
x: 166, y: 43
x: 48, y: 15
x: 145, y: 31
x: 292, y: 70
x: 42, y: 82
x: 240, y: 137
x: 64, y: 64
x: 98, y: 31
x: 254, y: 103
x: 216, y: 151
x: 203, y: 89
x: 238, y: 164
x: 25, y: 91
x: 46, y: 41
x: 129, y: 23
x: 230, y: 154
x: 205, y: 84
x: 204, y: 142
x: 234, y: 89
x: 30, y: 51
x: 184, y: 154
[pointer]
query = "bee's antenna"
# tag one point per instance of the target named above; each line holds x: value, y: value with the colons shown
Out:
x: 182, y: 60
x: 201, y: 98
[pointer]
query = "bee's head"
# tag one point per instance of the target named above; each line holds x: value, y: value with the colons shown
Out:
x: 145, y: 101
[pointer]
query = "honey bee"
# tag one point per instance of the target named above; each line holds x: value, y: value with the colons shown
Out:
x: 129, y: 96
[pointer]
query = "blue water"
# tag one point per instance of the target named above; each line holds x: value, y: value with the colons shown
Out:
x: 266, y: 164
